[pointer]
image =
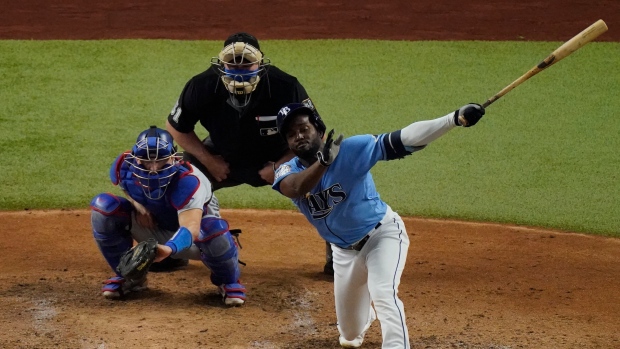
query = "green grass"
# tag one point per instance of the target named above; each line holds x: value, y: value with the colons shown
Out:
x: 545, y: 155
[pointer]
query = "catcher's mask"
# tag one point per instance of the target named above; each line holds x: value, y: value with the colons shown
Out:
x: 154, y: 161
x: 240, y: 65
x: 287, y: 112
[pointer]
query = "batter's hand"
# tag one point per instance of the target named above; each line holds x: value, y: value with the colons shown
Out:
x: 468, y: 115
x: 218, y: 168
x: 330, y: 149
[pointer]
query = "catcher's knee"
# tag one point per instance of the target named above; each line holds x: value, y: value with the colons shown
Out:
x: 111, y: 223
x: 108, y: 211
x: 218, y: 251
x: 110, y: 214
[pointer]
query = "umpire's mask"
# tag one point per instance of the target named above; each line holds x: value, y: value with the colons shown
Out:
x: 240, y: 65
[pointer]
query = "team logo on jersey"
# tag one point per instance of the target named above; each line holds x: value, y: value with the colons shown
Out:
x: 322, y: 203
x: 176, y: 112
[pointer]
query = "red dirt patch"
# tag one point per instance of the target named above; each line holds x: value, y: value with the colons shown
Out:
x: 555, y: 20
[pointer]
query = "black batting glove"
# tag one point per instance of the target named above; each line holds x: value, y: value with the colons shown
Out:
x: 330, y: 149
x: 468, y: 115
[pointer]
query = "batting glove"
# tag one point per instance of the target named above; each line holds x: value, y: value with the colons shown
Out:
x: 330, y: 149
x: 468, y: 115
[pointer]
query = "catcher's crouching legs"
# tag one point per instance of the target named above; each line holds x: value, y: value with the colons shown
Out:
x: 219, y: 253
x: 111, y: 223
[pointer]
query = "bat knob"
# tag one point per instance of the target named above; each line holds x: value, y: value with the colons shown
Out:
x: 463, y: 121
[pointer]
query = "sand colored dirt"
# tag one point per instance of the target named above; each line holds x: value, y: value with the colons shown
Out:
x: 466, y: 285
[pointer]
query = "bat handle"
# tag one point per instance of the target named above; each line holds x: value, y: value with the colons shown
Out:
x: 489, y: 101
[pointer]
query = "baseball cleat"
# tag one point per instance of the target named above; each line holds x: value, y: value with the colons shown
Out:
x: 117, y: 287
x: 357, y: 341
x: 233, y: 294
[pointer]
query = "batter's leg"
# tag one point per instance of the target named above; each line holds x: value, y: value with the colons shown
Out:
x: 353, y: 304
x: 386, y: 256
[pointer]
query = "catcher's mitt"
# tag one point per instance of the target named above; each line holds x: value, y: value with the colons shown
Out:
x: 135, y: 263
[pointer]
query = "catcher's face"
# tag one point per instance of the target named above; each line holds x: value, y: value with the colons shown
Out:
x: 155, y: 165
x: 303, y: 138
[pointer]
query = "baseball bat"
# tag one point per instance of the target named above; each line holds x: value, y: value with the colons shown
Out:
x: 572, y: 45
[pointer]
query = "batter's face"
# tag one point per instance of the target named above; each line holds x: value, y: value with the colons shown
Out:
x: 303, y: 138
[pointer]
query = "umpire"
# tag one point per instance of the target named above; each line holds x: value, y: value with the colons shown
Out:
x: 237, y: 101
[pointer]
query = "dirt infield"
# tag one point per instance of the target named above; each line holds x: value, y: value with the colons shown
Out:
x: 466, y: 285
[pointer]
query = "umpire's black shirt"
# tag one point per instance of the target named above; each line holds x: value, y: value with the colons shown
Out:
x: 248, y: 138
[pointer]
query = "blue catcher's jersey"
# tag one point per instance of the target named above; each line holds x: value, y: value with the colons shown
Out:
x: 344, y: 206
x: 189, y: 188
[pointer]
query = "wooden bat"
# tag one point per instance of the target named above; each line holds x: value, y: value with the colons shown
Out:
x: 572, y: 45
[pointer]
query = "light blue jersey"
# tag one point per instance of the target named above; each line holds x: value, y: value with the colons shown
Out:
x: 344, y: 206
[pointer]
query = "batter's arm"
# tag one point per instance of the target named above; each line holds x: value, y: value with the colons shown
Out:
x: 299, y: 184
x: 421, y: 133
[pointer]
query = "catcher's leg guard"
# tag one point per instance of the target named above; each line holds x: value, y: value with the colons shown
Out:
x: 111, y: 223
x: 218, y: 251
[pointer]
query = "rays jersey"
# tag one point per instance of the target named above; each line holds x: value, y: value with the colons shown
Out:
x: 344, y: 206
x: 188, y: 189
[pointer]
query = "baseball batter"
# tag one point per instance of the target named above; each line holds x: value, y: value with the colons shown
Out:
x: 169, y: 201
x: 337, y: 195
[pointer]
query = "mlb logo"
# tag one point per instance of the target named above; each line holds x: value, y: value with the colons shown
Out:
x: 268, y: 131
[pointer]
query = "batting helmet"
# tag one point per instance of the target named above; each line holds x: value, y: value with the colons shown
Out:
x: 240, y: 65
x: 149, y: 161
x: 288, y: 111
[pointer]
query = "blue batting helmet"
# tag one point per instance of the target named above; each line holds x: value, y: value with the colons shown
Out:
x: 288, y: 111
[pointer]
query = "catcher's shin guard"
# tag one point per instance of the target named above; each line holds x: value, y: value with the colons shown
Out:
x: 111, y: 223
x: 218, y: 251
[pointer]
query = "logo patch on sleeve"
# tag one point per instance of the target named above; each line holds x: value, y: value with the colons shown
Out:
x: 283, y: 170
x: 308, y: 103
x: 176, y: 112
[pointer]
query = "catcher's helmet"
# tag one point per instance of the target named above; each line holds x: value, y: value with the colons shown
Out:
x: 285, y: 115
x: 240, y: 65
x: 153, y: 161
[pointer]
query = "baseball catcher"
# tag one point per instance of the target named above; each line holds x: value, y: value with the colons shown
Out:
x: 170, y: 211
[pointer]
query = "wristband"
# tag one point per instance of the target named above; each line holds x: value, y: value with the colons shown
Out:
x: 180, y: 241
